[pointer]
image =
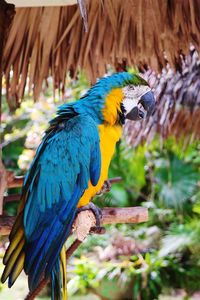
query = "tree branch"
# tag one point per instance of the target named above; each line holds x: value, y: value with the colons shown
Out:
x: 7, y: 179
x: 110, y: 215
x: 17, y: 181
x: 3, y: 184
x: 11, y: 198
x: 6, y: 224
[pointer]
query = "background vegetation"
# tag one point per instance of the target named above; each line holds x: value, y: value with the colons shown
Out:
x: 128, y: 262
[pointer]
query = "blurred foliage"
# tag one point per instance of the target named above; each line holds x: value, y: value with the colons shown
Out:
x: 128, y: 262
x: 22, y: 131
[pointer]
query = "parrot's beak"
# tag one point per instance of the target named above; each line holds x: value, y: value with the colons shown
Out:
x: 145, y: 107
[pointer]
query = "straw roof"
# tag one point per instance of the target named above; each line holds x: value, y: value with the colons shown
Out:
x: 51, y: 40
x: 178, y: 105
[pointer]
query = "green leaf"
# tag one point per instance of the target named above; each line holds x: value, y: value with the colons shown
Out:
x: 137, y: 286
x: 176, y: 181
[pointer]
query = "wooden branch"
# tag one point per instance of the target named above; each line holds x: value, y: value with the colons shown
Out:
x: 113, y: 215
x: 32, y: 295
x: 6, y: 224
x: 7, y: 179
x: 3, y: 184
x: 17, y: 181
x: 115, y: 180
x: 109, y: 216
x: 11, y: 198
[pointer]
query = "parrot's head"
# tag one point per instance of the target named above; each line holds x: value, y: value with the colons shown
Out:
x: 128, y: 97
x: 138, y: 101
x: 118, y: 97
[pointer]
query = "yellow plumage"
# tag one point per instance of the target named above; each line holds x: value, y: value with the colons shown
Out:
x: 17, y: 267
x: 110, y: 133
x: 13, y: 245
x: 63, y: 269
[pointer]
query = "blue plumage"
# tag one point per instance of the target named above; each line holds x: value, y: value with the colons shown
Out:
x: 66, y: 160
x: 62, y: 176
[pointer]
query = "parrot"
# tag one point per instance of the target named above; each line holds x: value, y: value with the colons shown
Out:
x: 69, y: 168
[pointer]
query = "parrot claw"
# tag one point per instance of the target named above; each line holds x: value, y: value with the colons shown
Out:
x: 105, y: 188
x: 96, y: 211
x: 98, y: 230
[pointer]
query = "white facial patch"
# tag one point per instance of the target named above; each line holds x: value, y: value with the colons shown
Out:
x: 133, y: 94
x: 129, y: 104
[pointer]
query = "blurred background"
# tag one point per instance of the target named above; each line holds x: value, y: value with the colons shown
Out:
x: 144, y: 261
x: 158, y: 159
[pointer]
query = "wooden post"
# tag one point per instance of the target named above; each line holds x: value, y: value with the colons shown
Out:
x: 7, y: 12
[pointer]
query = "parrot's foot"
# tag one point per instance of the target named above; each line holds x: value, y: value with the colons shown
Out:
x: 96, y: 211
x: 105, y: 188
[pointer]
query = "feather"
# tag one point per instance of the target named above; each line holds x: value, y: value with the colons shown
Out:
x: 63, y: 263
x: 13, y: 245
x: 66, y: 162
x: 12, y: 260
x: 18, y: 267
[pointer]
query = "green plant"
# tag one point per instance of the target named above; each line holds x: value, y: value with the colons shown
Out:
x: 83, y: 276
x: 176, y: 181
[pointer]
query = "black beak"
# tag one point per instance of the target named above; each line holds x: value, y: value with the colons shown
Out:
x: 148, y: 103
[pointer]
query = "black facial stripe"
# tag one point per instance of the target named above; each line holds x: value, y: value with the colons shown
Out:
x: 121, y: 114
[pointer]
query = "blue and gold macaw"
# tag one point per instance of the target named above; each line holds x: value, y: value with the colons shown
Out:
x: 69, y: 168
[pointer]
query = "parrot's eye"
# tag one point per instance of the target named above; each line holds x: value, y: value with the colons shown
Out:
x: 131, y: 87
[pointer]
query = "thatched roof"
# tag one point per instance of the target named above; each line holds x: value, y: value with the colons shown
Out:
x: 178, y: 105
x: 51, y: 40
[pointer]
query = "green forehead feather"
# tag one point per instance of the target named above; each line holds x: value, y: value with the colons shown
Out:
x: 135, y: 79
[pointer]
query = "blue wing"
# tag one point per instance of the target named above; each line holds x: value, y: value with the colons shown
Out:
x: 63, y: 166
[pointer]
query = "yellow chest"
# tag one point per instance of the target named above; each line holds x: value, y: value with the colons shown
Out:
x: 109, y: 136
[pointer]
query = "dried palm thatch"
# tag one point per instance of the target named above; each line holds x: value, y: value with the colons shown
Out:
x: 178, y: 104
x: 51, y: 41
